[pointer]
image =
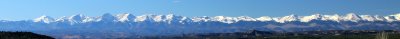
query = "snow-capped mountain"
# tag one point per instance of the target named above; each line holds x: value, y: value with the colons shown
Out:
x: 379, y: 18
x: 335, y: 17
x: 141, y: 18
x: 367, y: 18
x: 44, y: 19
x: 176, y: 25
x: 126, y: 17
x: 245, y: 18
x: 264, y: 18
x: 224, y: 19
x: 171, y: 18
x: 288, y: 18
x: 312, y: 17
x: 397, y: 16
x: 201, y: 19
x: 352, y: 17
x: 390, y: 18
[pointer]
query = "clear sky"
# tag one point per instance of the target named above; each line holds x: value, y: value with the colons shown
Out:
x: 29, y: 9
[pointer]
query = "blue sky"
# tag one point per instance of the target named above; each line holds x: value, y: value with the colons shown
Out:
x: 29, y: 9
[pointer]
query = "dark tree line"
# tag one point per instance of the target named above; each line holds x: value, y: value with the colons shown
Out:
x: 22, y: 35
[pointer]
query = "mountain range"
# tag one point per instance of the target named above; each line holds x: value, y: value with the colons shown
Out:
x: 122, y: 25
x: 126, y: 17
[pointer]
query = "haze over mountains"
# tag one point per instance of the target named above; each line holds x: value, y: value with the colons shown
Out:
x: 125, y: 25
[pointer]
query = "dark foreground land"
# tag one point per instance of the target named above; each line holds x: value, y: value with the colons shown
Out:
x: 22, y: 35
x: 254, y: 34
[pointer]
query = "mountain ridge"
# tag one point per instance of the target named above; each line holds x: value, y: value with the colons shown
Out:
x: 127, y: 17
x: 155, y: 25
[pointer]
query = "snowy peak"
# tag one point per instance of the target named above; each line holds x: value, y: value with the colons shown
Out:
x: 397, y: 16
x: 246, y: 18
x: 140, y: 18
x: 62, y: 19
x: 367, y: 18
x: 74, y: 19
x: 44, y: 19
x: 264, y: 18
x: 201, y: 19
x: 150, y: 18
x: 352, y: 17
x: 156, y: 18
x: 224, y: 19
x: 125, y: 17
x: 391, y: 18
x: 287, y: 18
x: 335, y: 17
x: 379, y: 18
x: 312, y: 17
x: 170, y: 18
x: 174, y: 18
